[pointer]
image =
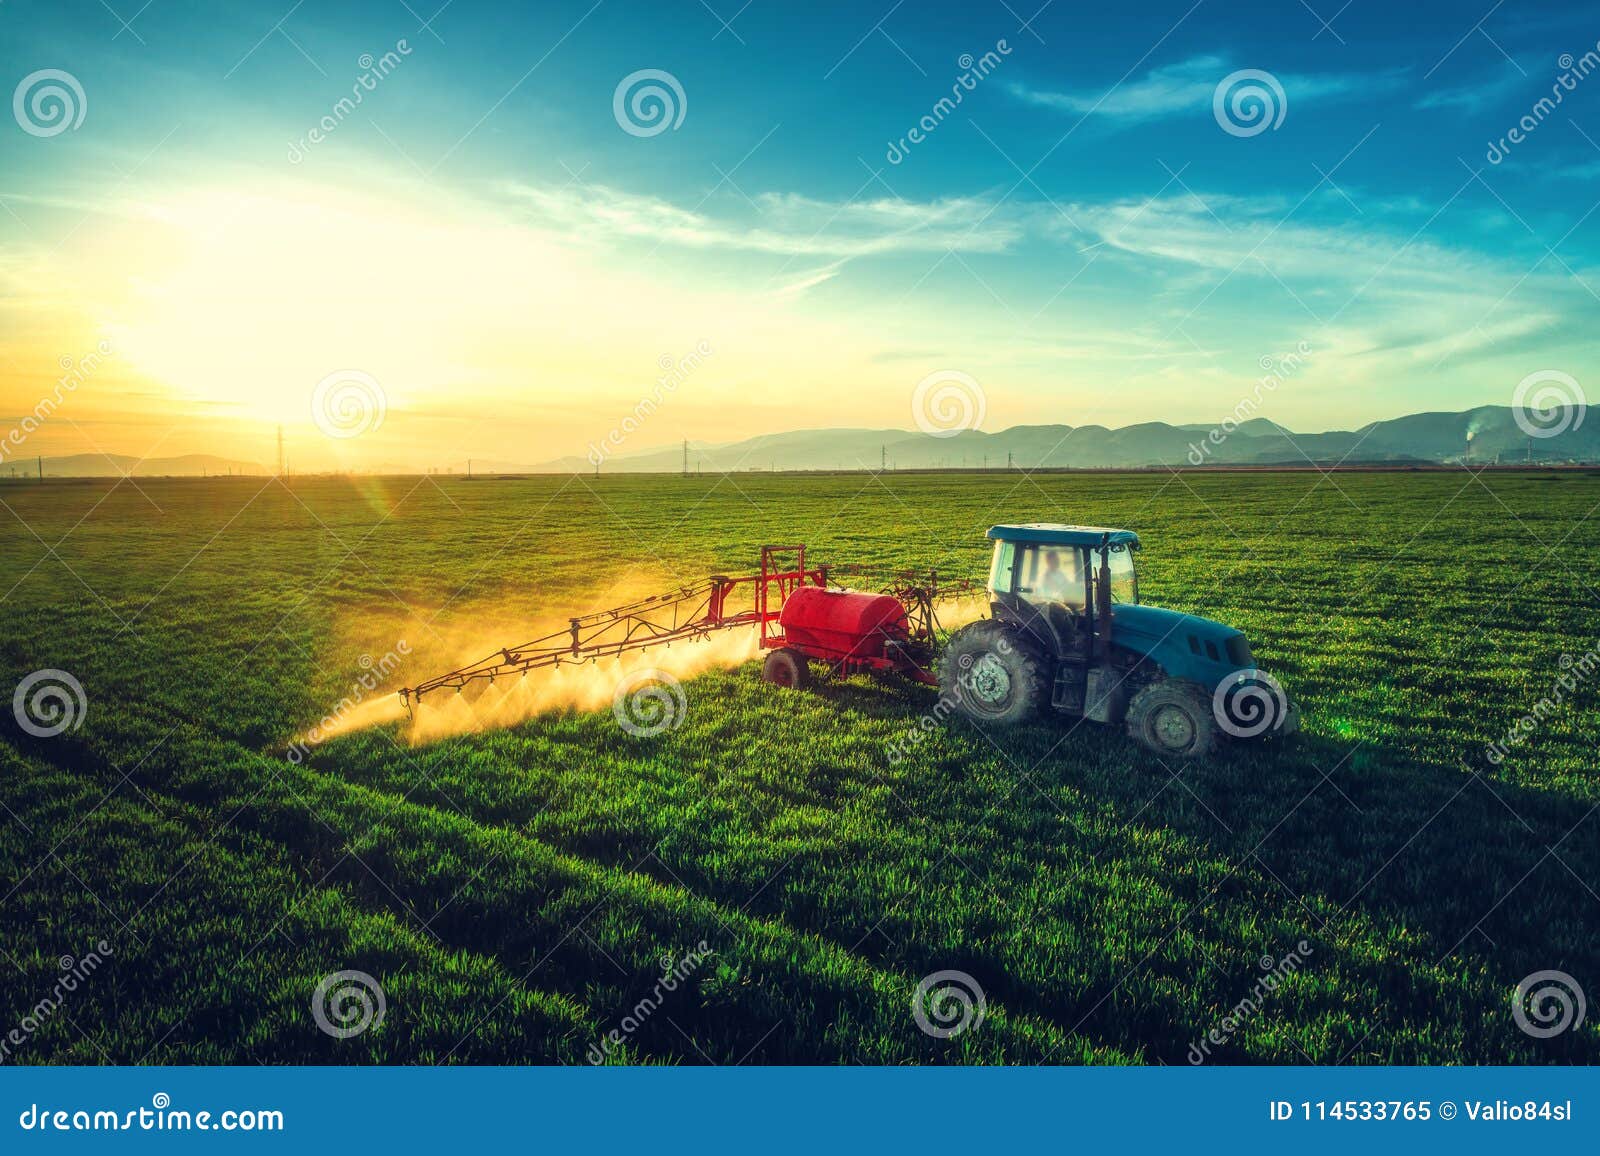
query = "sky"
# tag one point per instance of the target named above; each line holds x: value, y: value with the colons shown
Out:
x: 549, y: 227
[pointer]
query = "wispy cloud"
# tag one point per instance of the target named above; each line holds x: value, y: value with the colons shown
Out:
x: 807, y: 279
x: 786, y: 224
x: 1188, y: 86
x: 1253, y: 236
x: 1475, y: 97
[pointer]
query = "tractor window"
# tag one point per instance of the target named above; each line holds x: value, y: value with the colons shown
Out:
x: 1005, y: 555
x: 1052, y: 574
x: 1123, y: 586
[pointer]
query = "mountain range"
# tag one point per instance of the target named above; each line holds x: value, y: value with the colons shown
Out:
x: 122, y: 465
x: 1422, y: 438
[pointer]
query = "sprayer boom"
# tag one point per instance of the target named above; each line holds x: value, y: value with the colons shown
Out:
x: 693, y: 612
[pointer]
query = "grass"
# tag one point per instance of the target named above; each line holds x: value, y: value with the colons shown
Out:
x: 515, y: 891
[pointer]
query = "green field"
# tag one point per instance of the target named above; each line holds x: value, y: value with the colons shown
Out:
x: 516, y: 891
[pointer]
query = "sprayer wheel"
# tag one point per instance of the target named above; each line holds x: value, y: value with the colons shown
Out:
x: 788, y: 667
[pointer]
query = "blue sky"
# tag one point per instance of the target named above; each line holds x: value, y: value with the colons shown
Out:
x: 1081, y: 237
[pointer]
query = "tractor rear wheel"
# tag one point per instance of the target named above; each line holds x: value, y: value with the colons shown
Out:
x: 990, y: 676
x: 788, y: 667
x: 1173, y: 717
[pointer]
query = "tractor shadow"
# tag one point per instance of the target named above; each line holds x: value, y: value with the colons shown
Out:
x: 1440, y: 886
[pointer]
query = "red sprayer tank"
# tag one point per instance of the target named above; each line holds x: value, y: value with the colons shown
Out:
x: 841, y: 623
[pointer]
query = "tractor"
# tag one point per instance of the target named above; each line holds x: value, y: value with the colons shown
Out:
x: 1067, y: 633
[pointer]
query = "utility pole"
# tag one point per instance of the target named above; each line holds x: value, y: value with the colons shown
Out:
x: 41, y: 467
x: 280, y: 451
x: 883, y: 458
x: 469, y: 469
x: 686, y: 457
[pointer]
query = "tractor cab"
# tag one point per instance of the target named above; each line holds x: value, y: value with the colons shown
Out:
x: 1059, y: 582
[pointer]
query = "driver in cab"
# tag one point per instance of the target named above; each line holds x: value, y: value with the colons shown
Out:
x: 1054, y: 583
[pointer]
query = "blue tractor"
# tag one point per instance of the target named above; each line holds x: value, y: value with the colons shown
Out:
x: 1067, y: 633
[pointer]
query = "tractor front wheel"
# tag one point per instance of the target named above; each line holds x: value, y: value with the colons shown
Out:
x: 788, y: 667
x: 987, y: 673
x: 1173, y: 717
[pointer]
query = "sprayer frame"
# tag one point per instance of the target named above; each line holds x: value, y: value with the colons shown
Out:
x: 688, y: 613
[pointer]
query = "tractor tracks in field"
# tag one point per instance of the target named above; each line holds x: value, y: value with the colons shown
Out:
x: 594, y: 932
x: 212, y: 927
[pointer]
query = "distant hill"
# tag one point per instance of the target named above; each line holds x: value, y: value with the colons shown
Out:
x: 119, y: 465
x: 1419, y: 438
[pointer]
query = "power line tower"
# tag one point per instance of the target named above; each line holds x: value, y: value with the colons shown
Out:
x: 280, y: 451
x: 1008, y: 459
x: 883, y: 458
x: 686, y: 457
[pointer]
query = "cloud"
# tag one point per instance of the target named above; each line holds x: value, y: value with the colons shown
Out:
x: 1188, y: 86
x: 785, y: 224
x: 1473, y: 97
x: 1256, y: 236
x: 807, y: 279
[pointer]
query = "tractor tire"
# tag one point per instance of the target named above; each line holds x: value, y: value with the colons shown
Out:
x: 788, y: 667
x: 990, y: 676
x: 1173, y: 717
